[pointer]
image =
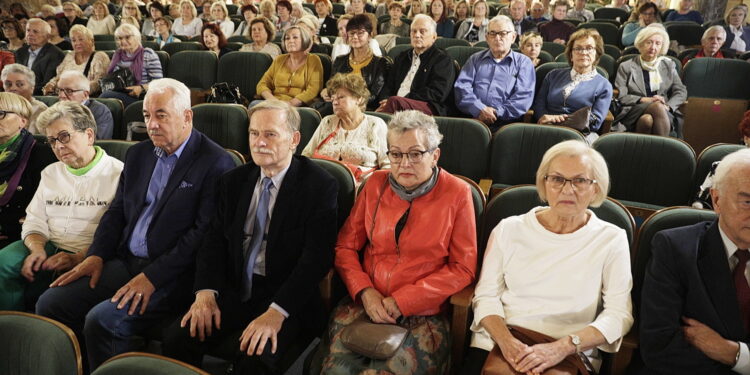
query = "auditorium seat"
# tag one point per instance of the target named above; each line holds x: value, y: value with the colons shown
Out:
x: 310, y: 119
x: 254, y: 65
x: 115, y: 147
x: 196, y: 69
x: 462, y: 53
x: 608, y: 31
x: 173, y: 48
x: 225, y: 124
x: 708, y: 156
x: 517, y: 151
x: 465, y: 147
x: 146, y: 364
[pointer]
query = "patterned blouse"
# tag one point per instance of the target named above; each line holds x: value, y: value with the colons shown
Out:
x: 98, y: 69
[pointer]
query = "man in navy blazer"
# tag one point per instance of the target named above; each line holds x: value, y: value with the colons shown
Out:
x: 38, y: 54
x: 695, y: 310
x: 265, y: 293
x: 141, y: 263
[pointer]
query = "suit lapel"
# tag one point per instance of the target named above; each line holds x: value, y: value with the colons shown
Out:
x: 39, y: 55
x: 183, y: 166
x: 713, y: 266
x: 637, y: 74
x: 237, y: 231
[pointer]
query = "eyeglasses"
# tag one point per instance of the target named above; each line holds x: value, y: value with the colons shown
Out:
x: 63, y: 137
x: 584, y: 49
x: 4, y: 113
x: 124, y: 37
x: 356, y: 33
x: 558, y: 182
x: 648, y: 13
x: 495, y: 34
x: 68, y: 92
x: 414, y: 156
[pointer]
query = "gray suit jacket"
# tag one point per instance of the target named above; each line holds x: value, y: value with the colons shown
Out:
x: 103, y: 116
x: 632, y: 87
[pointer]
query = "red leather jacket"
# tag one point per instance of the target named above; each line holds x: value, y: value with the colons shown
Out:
x: 435, y: 257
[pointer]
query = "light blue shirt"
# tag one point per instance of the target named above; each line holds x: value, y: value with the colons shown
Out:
x: 32, y: 57
x: 506, y: 85
x: 165, y: 165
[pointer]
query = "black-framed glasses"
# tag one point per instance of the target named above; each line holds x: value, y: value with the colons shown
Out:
x: 413, y: 156
x: 495, y: 34
x: 584, y: 49
x: 63, y: 137
x: 68, y: 92
x: 4, y: 113
x: 558, y: 182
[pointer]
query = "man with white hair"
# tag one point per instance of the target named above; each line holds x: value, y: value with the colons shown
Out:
x: 496, y: 86
x: 711, y: 42
x: 422, y: 77
x: 38, y: 54
x: 74, y: 86
x: 695, y: 309
x: 518, y: 15
x: 139, y: 268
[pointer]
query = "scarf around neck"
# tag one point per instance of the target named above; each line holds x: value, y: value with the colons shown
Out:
x: 421, y: 190
x: 135, y: 60
x: 13, y: 160
x: 652, y: 67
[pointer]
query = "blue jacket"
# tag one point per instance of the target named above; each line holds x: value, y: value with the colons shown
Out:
x: 596, y: 93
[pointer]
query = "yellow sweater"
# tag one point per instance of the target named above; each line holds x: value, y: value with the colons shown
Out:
x: 304, y: 84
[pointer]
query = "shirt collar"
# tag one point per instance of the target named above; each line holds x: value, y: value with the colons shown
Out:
x: 488, y: 55
x: 160, y: 153
x: 729, y: 246
x: 278, y: 179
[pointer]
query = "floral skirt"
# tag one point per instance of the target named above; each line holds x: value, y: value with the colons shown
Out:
x: 425, y: 351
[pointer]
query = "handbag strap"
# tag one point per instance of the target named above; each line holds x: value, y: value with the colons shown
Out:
x: 88, y: 65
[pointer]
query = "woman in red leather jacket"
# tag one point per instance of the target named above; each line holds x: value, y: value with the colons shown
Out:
x: 416, y: 227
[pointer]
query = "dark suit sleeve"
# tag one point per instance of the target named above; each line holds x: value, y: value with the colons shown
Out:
x: 104, y: 121
x: 180, y: 258
x: 317, y: 255
x: 662, y: 344
x: 109, y: 232
x: 213, y: 256
x: 439, y: 83
x: 54, y: 56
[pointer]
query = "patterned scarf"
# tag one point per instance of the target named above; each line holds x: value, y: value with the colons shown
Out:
x: 575, y: 79
x: 652, y: 67
x: 135, y: 60
x: 13, y: 160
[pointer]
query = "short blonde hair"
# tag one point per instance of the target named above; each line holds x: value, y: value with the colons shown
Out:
x: 267, y: 5
x: 84, y: 31
x: 737, y: 7
x: 15, y: 103
x: 596, y: 163
x: 354, y: 83
x: 78, y: 115
x: 75, y: 6
x: 138, y: 16
x: 649, y: 31
x: 192, y: 7
x: 528, y: 37
x: 223, y: 7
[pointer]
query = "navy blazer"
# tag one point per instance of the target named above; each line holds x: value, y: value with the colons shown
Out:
x: 745, y: 37
x: 688, y: 276
x: 45, y: 64
x: 181, y: 216
x: 299, y: 243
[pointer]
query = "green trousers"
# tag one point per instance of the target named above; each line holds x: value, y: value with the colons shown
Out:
x: 15, y: 290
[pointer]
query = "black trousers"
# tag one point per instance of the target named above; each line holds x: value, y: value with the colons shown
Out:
x: 224, y: 342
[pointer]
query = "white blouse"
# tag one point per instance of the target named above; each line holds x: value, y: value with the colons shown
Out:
x: 191, y: 29
x: 364, y: 145
x: 553, y: 283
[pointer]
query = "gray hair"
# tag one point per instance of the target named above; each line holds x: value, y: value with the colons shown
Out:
x: 180, y: 93
x: 648, y: 32
x: 714, y: 29
x: 293, y: 119
x: 126, y: 28
x: 502, y: 19
x: 428, y: 19
x: 79, y: 116
x: 81, y: 81
x: 45, y: 26
x: 595, y: 161
x: 735, y: 159
x: 20, y: 69
x: 403, y: 121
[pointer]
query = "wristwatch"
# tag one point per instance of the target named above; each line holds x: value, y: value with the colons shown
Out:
x: 576, y: 341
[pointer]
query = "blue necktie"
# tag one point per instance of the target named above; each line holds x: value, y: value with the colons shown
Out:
x: 252, y: 249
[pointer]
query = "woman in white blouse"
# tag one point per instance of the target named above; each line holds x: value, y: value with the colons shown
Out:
x: 188, y: 24
x: 738, y: 33
x: 220, y: 16
x: 350, y: 136
x: 557, y: 270
x: 101, y: 23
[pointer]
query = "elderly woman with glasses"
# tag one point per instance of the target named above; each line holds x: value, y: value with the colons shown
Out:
x: 20, y: 80
x: 83, y: 58
x: 101, y: 22
x: 651, y: 90
x: 23, y: 159
x: 567, y: 90
x: 361, y: 61
x: 408, y: 245
x: 349, y: 135
x: 143, y: 63
x: 555, y: 281
x: 296, y: 76
x: 63, y: 214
